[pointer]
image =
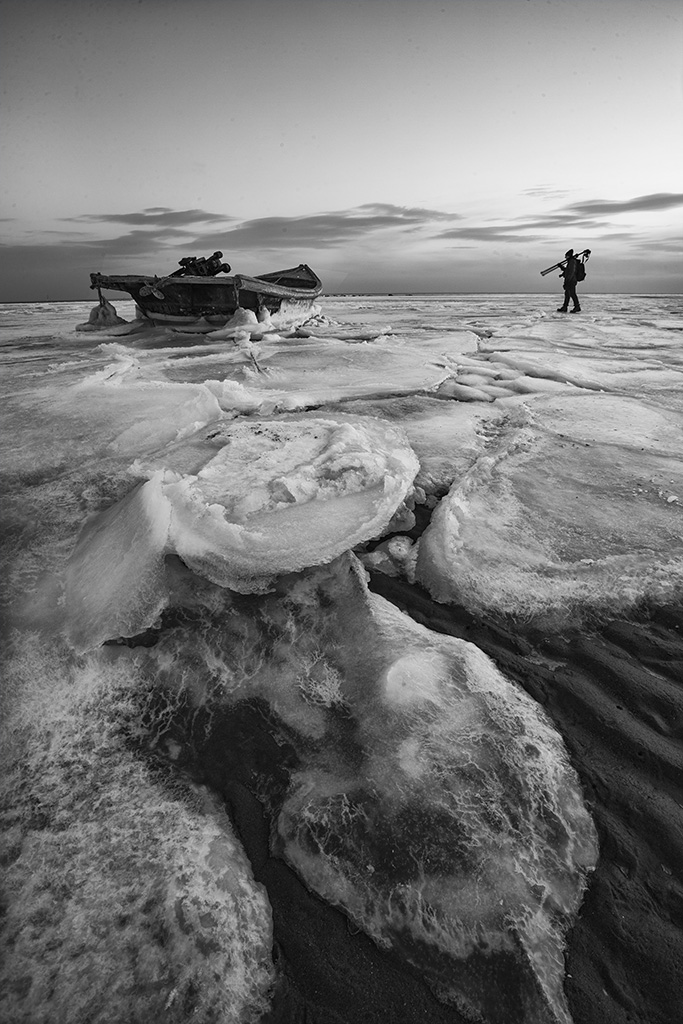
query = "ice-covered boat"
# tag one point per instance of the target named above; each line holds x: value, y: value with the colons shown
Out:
x: 196, y: 291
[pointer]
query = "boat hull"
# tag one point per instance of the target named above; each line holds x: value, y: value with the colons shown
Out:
x: 289, y: 294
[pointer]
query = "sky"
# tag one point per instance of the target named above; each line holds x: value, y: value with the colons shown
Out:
x: 393, y: 145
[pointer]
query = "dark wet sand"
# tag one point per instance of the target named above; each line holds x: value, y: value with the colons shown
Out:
x: 616, y: 696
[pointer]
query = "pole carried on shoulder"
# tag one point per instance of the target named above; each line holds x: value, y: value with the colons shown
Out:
x: 556, y: 266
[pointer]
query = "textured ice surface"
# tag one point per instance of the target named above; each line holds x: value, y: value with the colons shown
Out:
x: 263, y: 498
x: 284, y: 494
x: 425, y: 778
x: 114, y: 580
x: 434, y: 802
x: 574, y: 508
x: 126, y: 896
x: 447, y: 437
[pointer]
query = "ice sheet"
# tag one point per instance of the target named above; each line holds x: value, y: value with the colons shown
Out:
x: 576, y: 509
x: 547, y: 451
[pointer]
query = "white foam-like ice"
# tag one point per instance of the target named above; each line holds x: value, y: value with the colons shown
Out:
x: 274, y: 497
x: 285, y: 494
x: 125, y: 898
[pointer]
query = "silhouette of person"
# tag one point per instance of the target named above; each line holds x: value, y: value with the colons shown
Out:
x: 569, y: 285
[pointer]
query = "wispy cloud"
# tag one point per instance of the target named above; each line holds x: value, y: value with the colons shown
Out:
x: 545, y: 192
x: 321, y: 230
x: 550, y: 221
x: 402, y: 214
x: 490, y: 233
x: 153, y: 216
x: 88, y: 253
x: 156, y: 231
x: 158, y: 236
x: 326, y: 230
x: 620, y: 236
x: 640, y: 204
x: 134, y: 243
x: 660, y: 245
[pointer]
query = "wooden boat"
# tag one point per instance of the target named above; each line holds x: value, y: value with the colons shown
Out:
x: 184, y: 296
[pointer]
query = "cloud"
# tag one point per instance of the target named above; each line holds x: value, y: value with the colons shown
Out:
x: 545, y: 192
x: 594, y: 215
x: 325, y: 230
x: 159, y: 229
x: 321, y: 230
x: 135, y: 243
x: 154, y: 215
x: 490, y: 233
x: 640, y: 204
x: 619, y: 236
x: 87, y: 253
x: 61, y: 269
x: 403, y: 214
x: 374, y: 245
x: 159, y: 236
x: 660, y: 245
x: 526, y: 228
x: 557, y: 222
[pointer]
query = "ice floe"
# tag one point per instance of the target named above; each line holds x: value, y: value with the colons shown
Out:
x: 433, y: 802
x: 253, y: 500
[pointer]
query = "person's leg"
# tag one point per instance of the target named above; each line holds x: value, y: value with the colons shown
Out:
x: 564, y: 306
x: 571, y: 294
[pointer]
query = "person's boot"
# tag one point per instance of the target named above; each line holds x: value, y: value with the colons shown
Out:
x: 561, y: 309
x: 576, y: 309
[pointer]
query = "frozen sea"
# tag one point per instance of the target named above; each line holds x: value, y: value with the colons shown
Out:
x: 343, y: 664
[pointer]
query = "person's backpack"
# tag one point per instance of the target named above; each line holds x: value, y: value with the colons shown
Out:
x: 580, y: 271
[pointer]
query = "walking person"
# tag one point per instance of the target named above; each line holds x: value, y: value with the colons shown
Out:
x: 570, y: 278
